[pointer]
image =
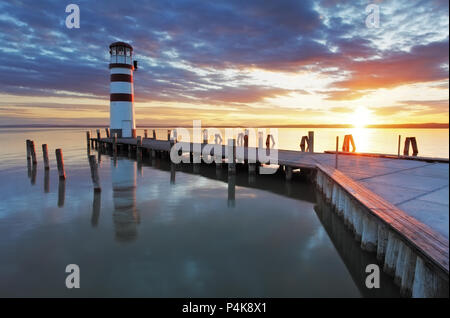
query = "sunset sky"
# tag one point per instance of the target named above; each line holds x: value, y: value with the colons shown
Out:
x: 228, y: 62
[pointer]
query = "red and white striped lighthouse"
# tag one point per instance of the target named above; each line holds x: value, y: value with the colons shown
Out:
x: 121, y: 90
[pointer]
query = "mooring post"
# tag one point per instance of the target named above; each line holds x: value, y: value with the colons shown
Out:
x: 337, y: 150
x: 45, y: 154
x: 311, y: 141
x: 60, y: 163
x: 399, y: 143
x: 232, y: 156
x: 33, y: 152
x: 94, y: 173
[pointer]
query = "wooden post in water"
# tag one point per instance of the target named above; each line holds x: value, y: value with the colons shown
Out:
x: 268, y: 141
x: 154, y: 134
x: 399, y: 143
x: 94, y: 173
x: 33, y: 152
x: 168, y: 134
x: 145, y: 134
x: 88, y: 138
x: 337, y: 150
x: 28, y: 149
x: 98, y: 134
x: 45, y: 154
x: 60, y: 164
x: 311, y: 141
x: 107, y: 132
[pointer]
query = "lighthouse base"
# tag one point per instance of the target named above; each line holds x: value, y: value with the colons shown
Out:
x: 120, y: 135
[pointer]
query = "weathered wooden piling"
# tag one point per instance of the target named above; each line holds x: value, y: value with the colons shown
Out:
x: 303, y: 143
x: 107, y: 132
x: 33, y: 152
x: 60, y: 163
x: 45, y: 155
x: 94, y: 173
x: 28, y: 149
x: 413, y: 142
x: 311, y: 141
x: 399, y: 143
x: 154, y: 134
x: 168, y: 134
x: 348, y: 141
x: 88, y: 138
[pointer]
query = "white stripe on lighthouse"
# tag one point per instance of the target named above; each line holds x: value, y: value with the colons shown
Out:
x: 121, y: 88
x: 121, y: 70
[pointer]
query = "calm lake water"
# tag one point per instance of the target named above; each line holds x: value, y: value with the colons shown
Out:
x: 162, y: 231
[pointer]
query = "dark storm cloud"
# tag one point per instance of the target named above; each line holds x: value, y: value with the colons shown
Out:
x: 172, y: 38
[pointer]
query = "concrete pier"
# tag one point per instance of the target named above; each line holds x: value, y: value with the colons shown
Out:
x: 396, y: 206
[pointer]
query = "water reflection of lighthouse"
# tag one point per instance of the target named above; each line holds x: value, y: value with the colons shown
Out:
x: 125, y: 215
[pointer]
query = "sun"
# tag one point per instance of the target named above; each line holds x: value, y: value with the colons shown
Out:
x: 361, y: 117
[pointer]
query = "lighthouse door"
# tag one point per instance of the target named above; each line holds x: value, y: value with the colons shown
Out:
x: 126, y: 128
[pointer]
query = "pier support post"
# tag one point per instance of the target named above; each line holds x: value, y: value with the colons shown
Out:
x: 139, y: 148
x: 288, y: 172
x: 232, y: 156
x: 311, y: 141
x: 94, y: 173
x: 45, y: 154
x: 60, y: 163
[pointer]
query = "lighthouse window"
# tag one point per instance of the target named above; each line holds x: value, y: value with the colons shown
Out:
x: 113, y: 51
x: 128, y: 52
x: 121, y: 51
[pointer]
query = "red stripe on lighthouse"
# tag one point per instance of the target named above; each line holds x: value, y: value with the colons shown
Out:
x: 121, y: 97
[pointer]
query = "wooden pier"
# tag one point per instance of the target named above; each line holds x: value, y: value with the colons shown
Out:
x: 396, y: 207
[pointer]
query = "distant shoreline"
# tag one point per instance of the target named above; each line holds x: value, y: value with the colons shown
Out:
x: 387, y: 126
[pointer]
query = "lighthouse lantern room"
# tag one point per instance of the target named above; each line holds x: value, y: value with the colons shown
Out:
x: 121, y: 67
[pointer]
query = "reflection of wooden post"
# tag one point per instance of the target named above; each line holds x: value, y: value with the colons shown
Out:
x: 61, y: 192
x: 288, y: 172
x: 96, y: 209
x: 139, y: 148
x: 232, y: 156
x: 33, y: 174
x: 311, y: 141
x: 33, y: 152
x: 94, y: 173
x: 47, y: 181
x: 115, y: 145
x: 45, y: 154
x: 60, y: 164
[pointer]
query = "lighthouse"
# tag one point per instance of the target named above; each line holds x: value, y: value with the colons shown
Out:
x: 121, y: 110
